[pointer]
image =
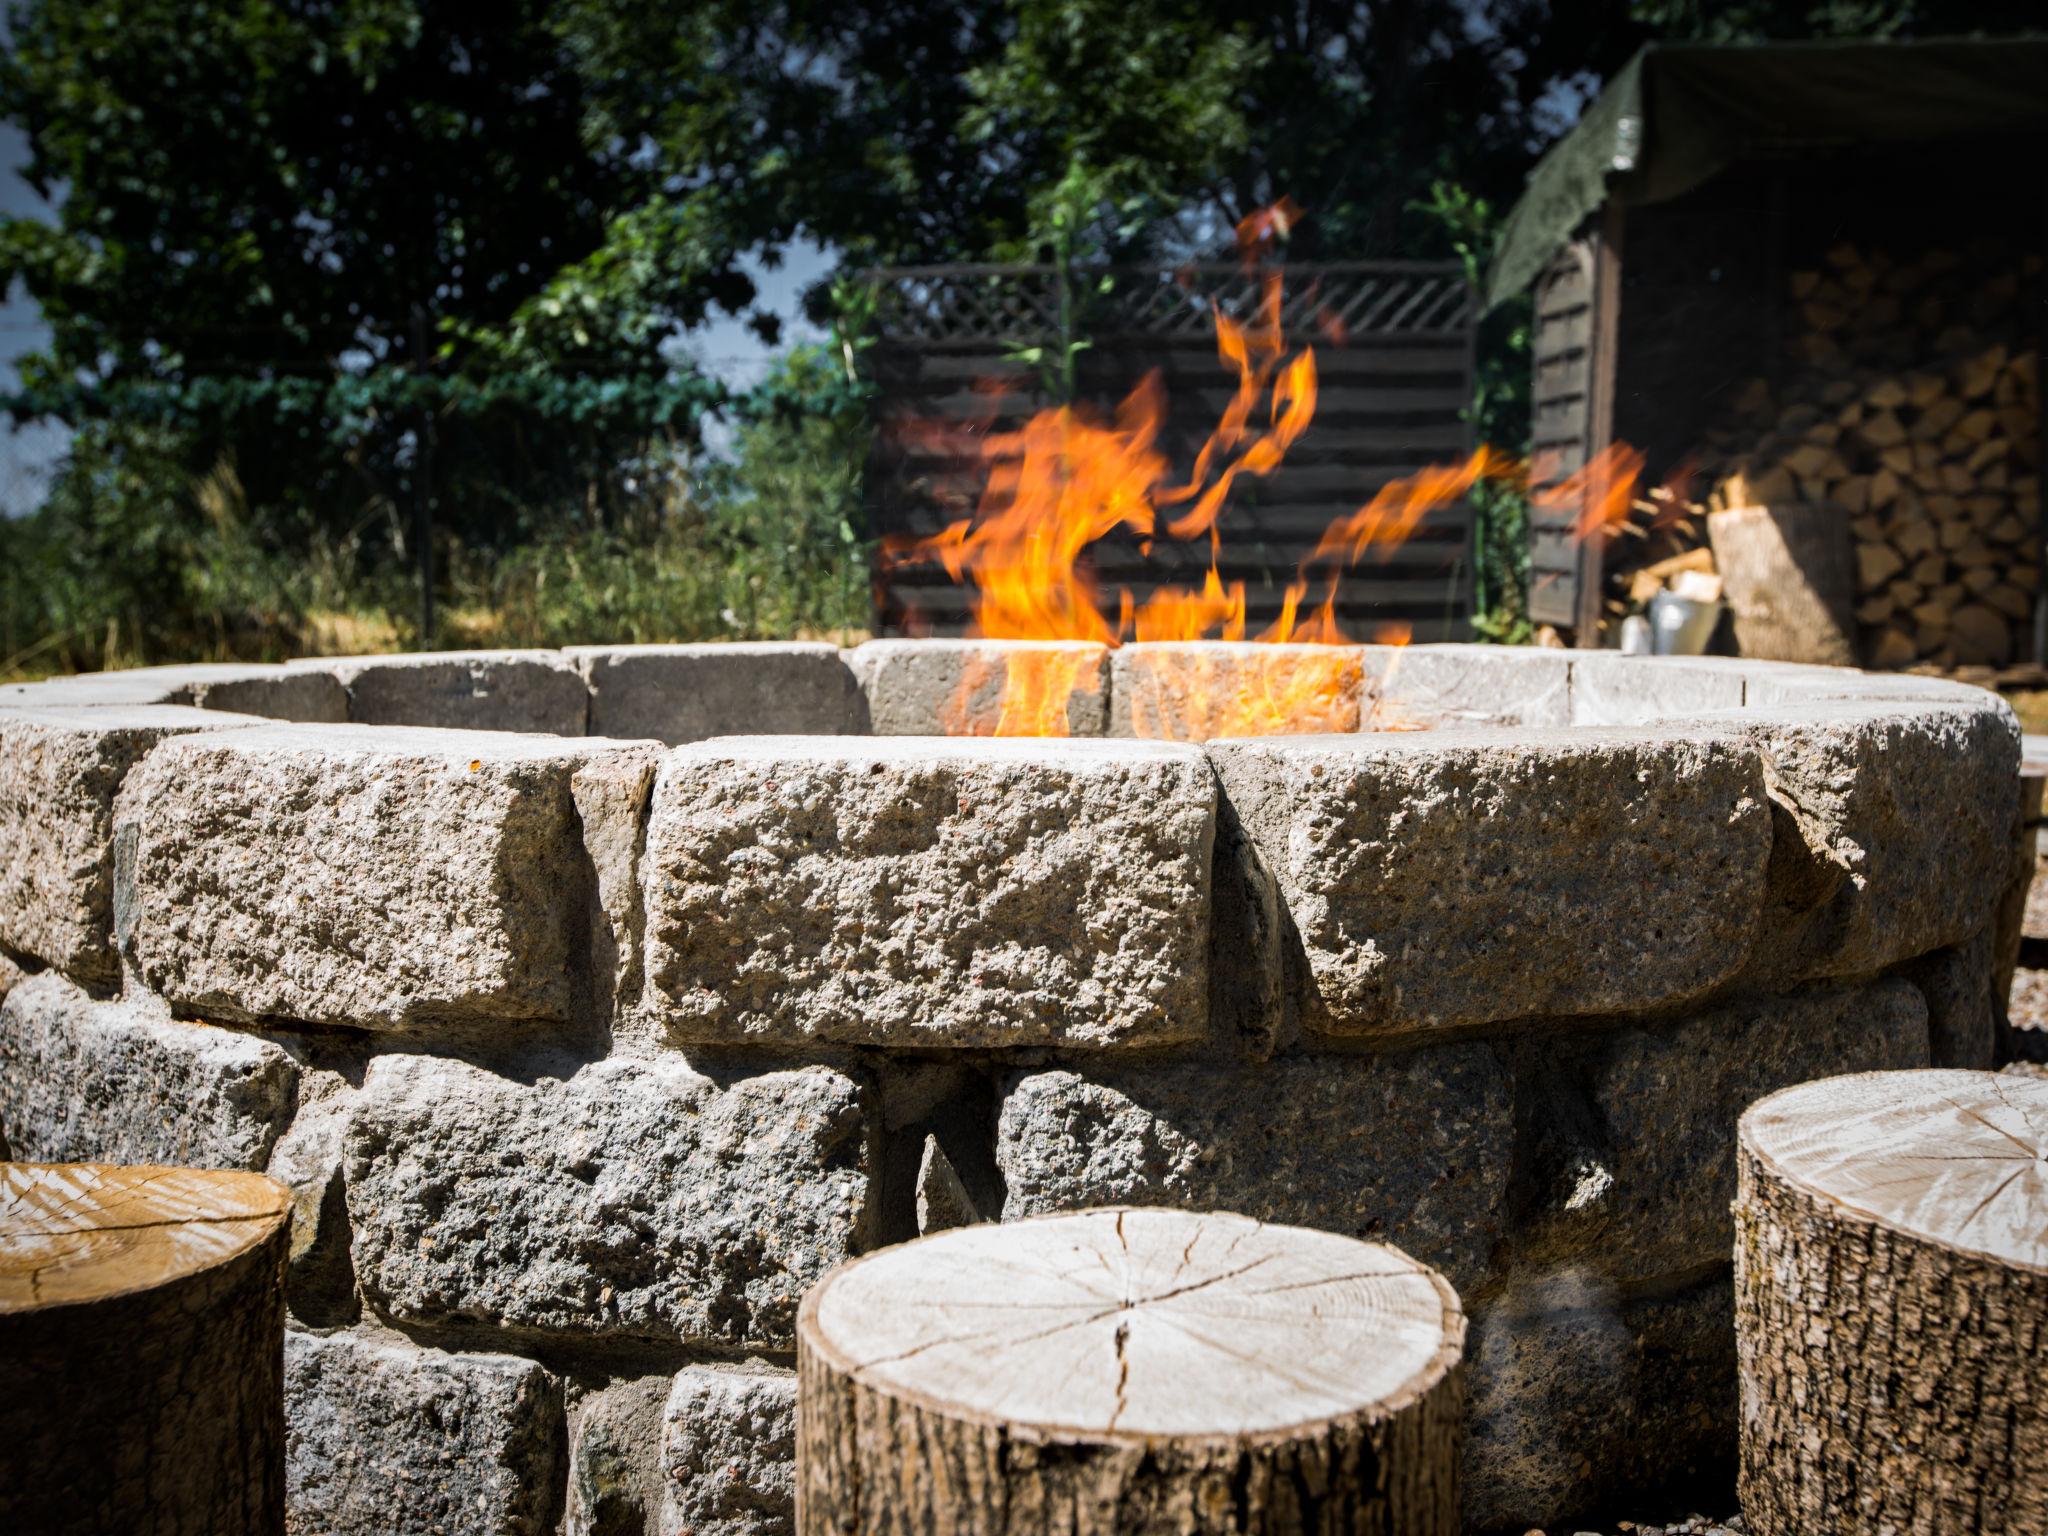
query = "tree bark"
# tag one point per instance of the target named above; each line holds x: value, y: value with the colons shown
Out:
x: 1130, y: 1373
x: 1891, y: 1288
x: 142, y: 1326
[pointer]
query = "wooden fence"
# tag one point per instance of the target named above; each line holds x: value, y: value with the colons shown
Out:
x: 1393, y: 343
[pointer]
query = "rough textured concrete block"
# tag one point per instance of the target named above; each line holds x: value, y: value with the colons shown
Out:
x: 275, y: 693
x: 1964, y: 1006
x: 463, y: 690
x: 1413, y: 1149
x: 983, y: 687
x: 1426, y: 686
x: 320, y: 1281
x: 91, y: 1082
x: 1769, y: 683
x: 1444, y: 878
x: 634, y: 1199
x: 249, y: 688
x: 1171, y: 691
x: 1583, y: 1401
x: 355, y: 875
x: 59, y: 772
x: 134, y: 688
x: 1609, y: 688
x: 679, y: 693
x: 728, y: 1453
x: 920, y: 892
x: 1630, y: 1134
x: 386, y: 1439
x: 611, y: 791
x: 615, y: 1475
x: 1895, y: 828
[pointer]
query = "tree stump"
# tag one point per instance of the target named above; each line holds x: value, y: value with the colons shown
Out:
x: 1891, y: 1289
x: 142, y: 1330
x: 1789, y: 577
x: 1125, y: 1371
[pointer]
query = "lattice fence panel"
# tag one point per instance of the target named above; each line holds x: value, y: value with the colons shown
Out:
x: 1393, y: 352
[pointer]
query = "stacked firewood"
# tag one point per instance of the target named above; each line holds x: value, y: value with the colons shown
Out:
x: 1911, y: 400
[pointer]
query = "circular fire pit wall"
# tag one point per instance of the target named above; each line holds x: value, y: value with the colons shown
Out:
x: 594, y: 1003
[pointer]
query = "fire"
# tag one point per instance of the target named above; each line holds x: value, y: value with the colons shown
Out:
x: 1034, y: 685
x: 1600, y: 495
x: 1068, y: 478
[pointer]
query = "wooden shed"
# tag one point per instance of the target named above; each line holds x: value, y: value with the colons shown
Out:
x: 1741, y: 254
x: 1393, y: 344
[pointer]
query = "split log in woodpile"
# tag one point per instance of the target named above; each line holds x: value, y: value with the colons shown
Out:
x: 1907, y: 402
x: 142, y: 1326
x: 1891, y: 1306
x: 1118, y: 1371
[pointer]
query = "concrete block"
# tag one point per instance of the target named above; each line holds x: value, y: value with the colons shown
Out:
x: 728, y: 1452
x: 1413, y: 687
x: 611, y: 791
x: 1585, y: 1400
x: 1964, y: 1004
x: 925, y: 892
x: 1895, y: 826
x: 1770, y: 683
x: 60, y: 769
x: 1633, y: 1180
x: 537, y: 691
x: 270, y: 690
x: 615, y: 1474
x: 320, y: 1280
x: 383, y: 1438
x: 353, y: 875
x: 93, y: 1082
x: 636, y: 1199
x: 1413, y: 1149
x: 1195, y: 691
x: 678, y: 693
x: 983, y: 687
x: 1609, y: 688
x: 1438, y: 879
x: 274, y: 692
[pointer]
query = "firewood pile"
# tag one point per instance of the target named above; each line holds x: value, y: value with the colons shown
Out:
x: 1909, y: 398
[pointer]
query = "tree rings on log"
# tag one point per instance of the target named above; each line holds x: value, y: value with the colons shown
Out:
x: 142, y: 1323
x: 1130, y: 1370
x: 1892, y: 1306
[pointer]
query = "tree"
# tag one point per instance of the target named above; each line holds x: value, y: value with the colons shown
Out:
x: 304, y: 241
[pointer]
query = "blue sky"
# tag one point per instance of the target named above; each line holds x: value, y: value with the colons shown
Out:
x: 27, y: 454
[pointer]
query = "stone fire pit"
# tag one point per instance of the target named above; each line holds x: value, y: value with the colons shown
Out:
x: 595, y: 1003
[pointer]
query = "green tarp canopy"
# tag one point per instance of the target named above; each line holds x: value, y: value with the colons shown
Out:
x: 1676, y: 115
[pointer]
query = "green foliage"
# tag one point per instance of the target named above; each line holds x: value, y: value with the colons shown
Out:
x: 1110, y: 110
x: 1752, y: 21
x: 771, y: 543
x: 317, y: 265
x: 135, y: 557
x: 1471, y: 226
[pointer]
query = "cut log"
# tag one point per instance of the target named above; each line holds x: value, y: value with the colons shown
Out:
x: 1789, y: 581
x: 1891, y: 1306
x: 1893, y: 648
x: 1119, y: 1371
x: 1876, y: 564
x: 1982, y: 636
x: 142, y: 1322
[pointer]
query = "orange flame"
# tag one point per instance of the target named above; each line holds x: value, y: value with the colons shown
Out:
x: 1388, y: 521
x: 1599, y: 495
x: 1067, y: 479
